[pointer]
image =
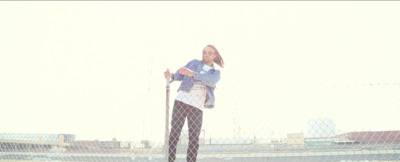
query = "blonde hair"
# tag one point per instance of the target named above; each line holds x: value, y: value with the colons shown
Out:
x: 218, y: 59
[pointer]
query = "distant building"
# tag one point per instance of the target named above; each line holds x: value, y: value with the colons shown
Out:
x: 34, y: 141
x: 321, y: 127
x: 325, y: 141
x: 373, y: 137
x: 295, y: 139
x: 45, y: 138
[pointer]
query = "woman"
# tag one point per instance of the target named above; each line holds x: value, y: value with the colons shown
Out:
x: 196, y: 92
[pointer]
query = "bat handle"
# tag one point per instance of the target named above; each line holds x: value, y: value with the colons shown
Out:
x: 168, y: 82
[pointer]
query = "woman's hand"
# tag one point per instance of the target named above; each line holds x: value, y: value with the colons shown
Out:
x: 167, y: 74
x: 186, y: 71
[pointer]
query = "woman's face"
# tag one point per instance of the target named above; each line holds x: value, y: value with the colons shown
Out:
x: 208, y: 55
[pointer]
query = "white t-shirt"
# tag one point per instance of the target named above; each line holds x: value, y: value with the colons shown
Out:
x: 197, y: 95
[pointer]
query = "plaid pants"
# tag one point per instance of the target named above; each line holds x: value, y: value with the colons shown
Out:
x: 195, y: 120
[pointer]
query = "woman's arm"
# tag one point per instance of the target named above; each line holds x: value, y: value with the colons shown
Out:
x: 207, y: 78
x: 179, y: 75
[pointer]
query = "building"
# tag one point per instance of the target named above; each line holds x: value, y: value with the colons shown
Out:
x: 373, y: 137
x: 15, y: 141
x: 320, y: 128
x: 325, y: 141
x: 295, y: 139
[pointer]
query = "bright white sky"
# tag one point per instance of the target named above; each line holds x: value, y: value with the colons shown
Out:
x: 95, y: 69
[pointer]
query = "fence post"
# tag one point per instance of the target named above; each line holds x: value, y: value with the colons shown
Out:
x: 166, y: 143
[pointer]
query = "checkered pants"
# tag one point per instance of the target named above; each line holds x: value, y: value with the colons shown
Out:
x: 195, y: 120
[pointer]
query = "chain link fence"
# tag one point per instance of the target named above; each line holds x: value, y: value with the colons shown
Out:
x: 322, y: 142
x: 344, y: 147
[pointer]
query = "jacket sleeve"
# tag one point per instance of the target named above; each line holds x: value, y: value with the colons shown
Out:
x: 208, y: 79
x: 177, y: 75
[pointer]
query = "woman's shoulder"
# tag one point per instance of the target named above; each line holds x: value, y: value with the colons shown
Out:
x: 195, y: 61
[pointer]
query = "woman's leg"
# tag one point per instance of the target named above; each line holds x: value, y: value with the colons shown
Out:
x: 195, y: 120
x: 178, y: 119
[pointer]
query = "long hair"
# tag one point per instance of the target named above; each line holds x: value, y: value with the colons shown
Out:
x: 218, y: 59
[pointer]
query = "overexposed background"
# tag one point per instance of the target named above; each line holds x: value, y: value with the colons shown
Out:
x: 95, y: 69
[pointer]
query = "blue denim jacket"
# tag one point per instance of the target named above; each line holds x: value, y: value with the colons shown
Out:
x: 210, y: 79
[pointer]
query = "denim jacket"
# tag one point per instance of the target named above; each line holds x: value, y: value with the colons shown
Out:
x: 210, y: 79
